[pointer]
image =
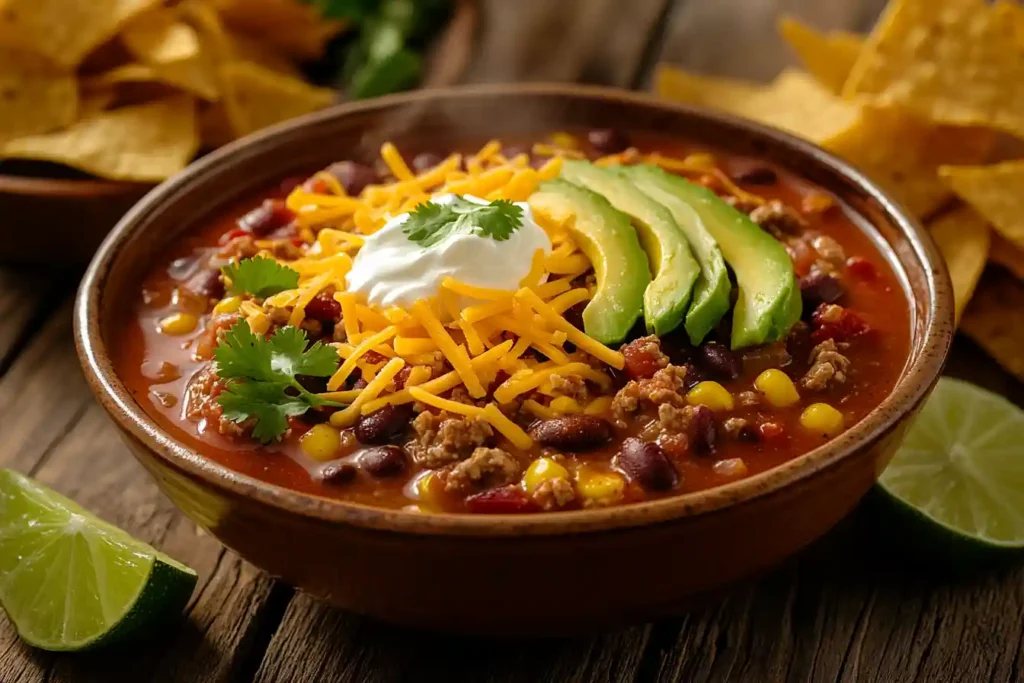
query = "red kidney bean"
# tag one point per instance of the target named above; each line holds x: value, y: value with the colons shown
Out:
x: 647, y: 465
x: 506, y: 500
x: 608, y: 140
x: 352, y: 176
x: 384, y: 425
x: 572, y: 432
x: 701, y: 430
x: 382, y: 461
x: 324, y: 308
x: 338, y: 473
x: 426, y: 161
x: 269, y: 216
x: 206, y: 282
x: 758, y: 175
x: 718, y: 360
x: 821, y: 288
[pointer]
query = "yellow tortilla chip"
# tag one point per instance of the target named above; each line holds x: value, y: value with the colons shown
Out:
x: 1007, y: 254
x: 158, y: 36
x: 148, y: 143
x: 963, y: 238
x: 827, y: 56
x: 994, y: 322
x: 194, y: 76
x: 92, y: 102
x: 794, y: 101
x: 996, y: 191
x: 903, y: 154
x: 65, y: 31
x: 255, y: 97
x: 245, y: 48
x: 35, y: 97
x: 293, y: 27
x: 957, y: 62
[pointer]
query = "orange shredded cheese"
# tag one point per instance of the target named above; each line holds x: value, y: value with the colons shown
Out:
x: 347, y: 416
x: 350, y: 363
x: 577, y: 337
x: 455, y: 353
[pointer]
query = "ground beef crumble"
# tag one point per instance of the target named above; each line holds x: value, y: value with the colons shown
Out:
x: 201, y: 403
x: 554, y: 493
x: 827, y: 366
x: 440, y: 441
x: 778, y: 219
x: 570, y: 385
x: 485, y: 468
x: 668, y: 385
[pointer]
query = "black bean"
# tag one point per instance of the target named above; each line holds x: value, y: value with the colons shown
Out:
x: 718, y: 360
x: 382, y: 461
x: 748, y: 434
x: 647, y: 465
x: 694, y: 376
x: 384, y: 425
x: 572, y: 432
x: 701, y: 430
x: 820, y: 287
x: 608, y: 140
x: 426, y: 161
x: 352, y: 176
x: 269, y: 216
x: 758, y: 175
x: 338, y: 473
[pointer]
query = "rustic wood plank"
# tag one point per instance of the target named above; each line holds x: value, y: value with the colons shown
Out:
x: 594, y: 41
x: 25, y: 298
x: 53, y: 429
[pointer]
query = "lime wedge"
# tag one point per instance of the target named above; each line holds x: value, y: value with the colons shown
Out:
x: 70, y: 581
x: 961, y: 466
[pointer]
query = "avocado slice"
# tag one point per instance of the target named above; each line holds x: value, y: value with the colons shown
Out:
x: 607, y: 238
x: 668, y: 253
x: 710, y: 299
x: 766, y: 305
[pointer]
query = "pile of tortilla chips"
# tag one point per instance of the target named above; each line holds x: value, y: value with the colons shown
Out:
x: 931, y: 106
x: 132, y: 89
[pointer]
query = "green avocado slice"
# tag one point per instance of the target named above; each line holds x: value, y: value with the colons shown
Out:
x: 668, y: 253
x: 710, y: 300
x: 766, y: 307
x: 608, y: 239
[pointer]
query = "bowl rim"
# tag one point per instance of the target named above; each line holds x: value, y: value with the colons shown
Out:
x: 920, y: 375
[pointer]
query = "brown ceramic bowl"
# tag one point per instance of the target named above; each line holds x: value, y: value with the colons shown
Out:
x: 513, y: 574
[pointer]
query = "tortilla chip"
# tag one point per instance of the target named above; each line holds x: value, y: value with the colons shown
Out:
x: 963, y: 237
x: 146, y: 143
x: 996, y: 191
x: 958, y: 62
x: 1007, y: 254
x: 903, y: 154
x: 295, y: 28
x: 827, y: 56
x: 794, y: 101
x: 193, y: 76
x: 255, y: 97
x: 65, y: 31
x: 92, y: 102
x: 36, y: 97
x: 245, y: 48
x: 158, y: 36
x: 994, y: 322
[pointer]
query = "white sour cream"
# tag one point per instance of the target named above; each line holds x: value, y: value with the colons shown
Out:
x: 392, y: 270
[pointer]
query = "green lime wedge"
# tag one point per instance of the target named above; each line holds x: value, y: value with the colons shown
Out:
x: 961, y: 466
x: 70, y: 581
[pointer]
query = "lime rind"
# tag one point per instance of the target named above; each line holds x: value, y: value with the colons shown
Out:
x: 70, y: 581
x: 961, y: 465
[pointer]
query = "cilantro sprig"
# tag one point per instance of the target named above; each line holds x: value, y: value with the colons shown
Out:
x: 260, y: 276
x: 431, y: 223
x: 262, y: 375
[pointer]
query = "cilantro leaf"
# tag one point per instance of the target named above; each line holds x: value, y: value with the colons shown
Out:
x: 260, y: 276
x: 431, y: 223
x: 262, y: 377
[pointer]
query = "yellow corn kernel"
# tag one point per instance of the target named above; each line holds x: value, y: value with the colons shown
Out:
x: 710, y: 394
x: 229, y: 305
x: 431, y: 491
x: 565, y: 405
x: 821, y: 417
x: 177, y: 324
x: 258, y: 323
x: 542, y: 470
x: 565, y: 140
x: 600, y: 488
x: 599, y: 405
x: 777, y: 387
x: 321, y: 443
x: 700, y: 160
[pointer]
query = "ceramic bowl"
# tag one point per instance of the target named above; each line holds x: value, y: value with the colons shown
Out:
x: 510, y: 574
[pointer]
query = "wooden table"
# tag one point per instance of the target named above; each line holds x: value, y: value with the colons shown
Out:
x: 847, y: 609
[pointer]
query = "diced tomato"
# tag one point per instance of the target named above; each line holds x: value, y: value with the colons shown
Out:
x: 771, y: 431
x: 847, y: 326
x: 232, y: 234
x: 862, y: 269
x: 803, y: 256
x: 643, y: 358
x: 507, y: 500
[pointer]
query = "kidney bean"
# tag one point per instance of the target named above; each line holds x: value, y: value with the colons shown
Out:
x: 324, y: 308
x: 382, y: 461
x: 718, y: 360
x: 572, y: 432
x: 266, y: 218
x: 608, y: 140
x: 701, y: 430
x: 426, y: 161
x: 338, y: 473
x: 384, y: 425
x: 758, y: 175
x: 820, y: 287
x: 506, y: 500
x: 647, y: 465
x: 352, y: 176
x: 207, y: 282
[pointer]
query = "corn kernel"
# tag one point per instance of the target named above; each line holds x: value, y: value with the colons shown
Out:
x: 542, y: 470
x: 700, y: 160
x: 599, y: 405
x: 600, y: 488
x: 777, y: 387
x: 177, y: 324
x: 259, y: 323
x: 431, y: 491
x: 565, y: 141
x: 321, y: 443
x: 710, y: 394
x: 565, y: 405
x: 823, y: 418
x: 229, y: 305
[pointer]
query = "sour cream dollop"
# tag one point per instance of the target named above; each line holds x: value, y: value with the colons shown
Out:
x: 392, y: 270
